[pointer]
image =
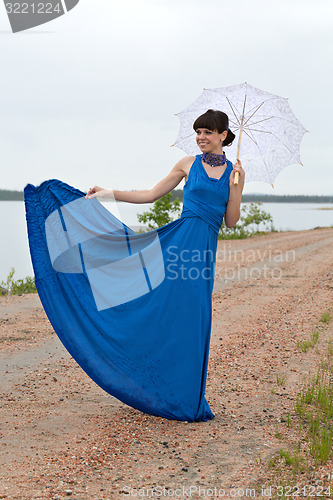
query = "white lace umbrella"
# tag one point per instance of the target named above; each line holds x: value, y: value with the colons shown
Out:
x: 267, y: 131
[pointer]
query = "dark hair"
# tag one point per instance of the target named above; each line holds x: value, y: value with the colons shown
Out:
x: 215, y: 120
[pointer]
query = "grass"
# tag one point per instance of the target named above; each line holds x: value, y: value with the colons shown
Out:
x: 278, y: 434
x: 289, y: 421
x: 311, y: 423
x: 314, y: 407
x: 306, y: 344
x: 326, y: 317
x: 280, y: 380
x: 294, y: 460
x: 18, y: 287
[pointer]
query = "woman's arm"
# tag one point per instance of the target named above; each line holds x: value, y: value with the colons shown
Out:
x: 232, y: 213
x: 148, y: 195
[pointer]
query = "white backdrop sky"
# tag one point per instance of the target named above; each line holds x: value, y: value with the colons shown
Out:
x: 90, y: 98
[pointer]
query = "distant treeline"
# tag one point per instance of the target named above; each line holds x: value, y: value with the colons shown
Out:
x: 287, y: 198
x: 271, y: 198
x: 6, y: 195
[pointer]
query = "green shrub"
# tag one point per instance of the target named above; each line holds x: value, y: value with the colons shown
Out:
x: 160, y: 214
x: 18, y: 287
x: 249, y: 223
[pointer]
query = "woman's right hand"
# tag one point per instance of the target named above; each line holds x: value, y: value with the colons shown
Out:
x: 98, y: 191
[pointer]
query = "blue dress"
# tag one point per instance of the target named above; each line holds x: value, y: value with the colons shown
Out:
x: 134, y: 310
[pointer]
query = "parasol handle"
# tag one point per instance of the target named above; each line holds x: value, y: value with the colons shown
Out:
x: 239, y: 145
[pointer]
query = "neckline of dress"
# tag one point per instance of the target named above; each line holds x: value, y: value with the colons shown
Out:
x: 212, y: 178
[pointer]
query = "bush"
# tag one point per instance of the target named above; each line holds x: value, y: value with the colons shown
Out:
x: 159, y: 215
x: 18, y: 287
x: 249, y: 223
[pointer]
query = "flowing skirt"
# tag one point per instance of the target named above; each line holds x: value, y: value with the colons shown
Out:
x: 134, y: 310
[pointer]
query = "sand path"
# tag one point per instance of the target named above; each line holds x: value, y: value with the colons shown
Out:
x: 62, y: 436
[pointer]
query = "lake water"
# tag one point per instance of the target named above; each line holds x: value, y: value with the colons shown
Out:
x: 14, y: 250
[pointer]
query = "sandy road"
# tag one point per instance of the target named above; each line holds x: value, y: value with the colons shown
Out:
x: 62, y: 436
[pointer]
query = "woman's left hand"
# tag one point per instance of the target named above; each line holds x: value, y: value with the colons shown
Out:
x: 237, y: 167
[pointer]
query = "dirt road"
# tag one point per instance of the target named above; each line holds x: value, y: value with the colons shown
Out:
x: 61, y: 436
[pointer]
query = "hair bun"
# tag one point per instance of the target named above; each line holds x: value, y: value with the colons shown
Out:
x: 229, y: 139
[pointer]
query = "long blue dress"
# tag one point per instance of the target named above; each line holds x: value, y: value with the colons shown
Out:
x: 134, y: 310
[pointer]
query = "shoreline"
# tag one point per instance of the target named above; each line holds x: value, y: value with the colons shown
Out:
x: 136, y: 228
x: 13, y: 195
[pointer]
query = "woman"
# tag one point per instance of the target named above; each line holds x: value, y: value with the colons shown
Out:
x: 135, y: 310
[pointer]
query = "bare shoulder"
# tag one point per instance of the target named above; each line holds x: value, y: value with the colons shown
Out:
x: 185, y: 164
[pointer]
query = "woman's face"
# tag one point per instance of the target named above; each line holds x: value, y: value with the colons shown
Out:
x: 210, y: 141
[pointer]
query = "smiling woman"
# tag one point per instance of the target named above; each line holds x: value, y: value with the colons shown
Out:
x: 215, y: 125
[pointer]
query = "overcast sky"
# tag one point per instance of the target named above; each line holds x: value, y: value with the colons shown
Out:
x: 90, y: 98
